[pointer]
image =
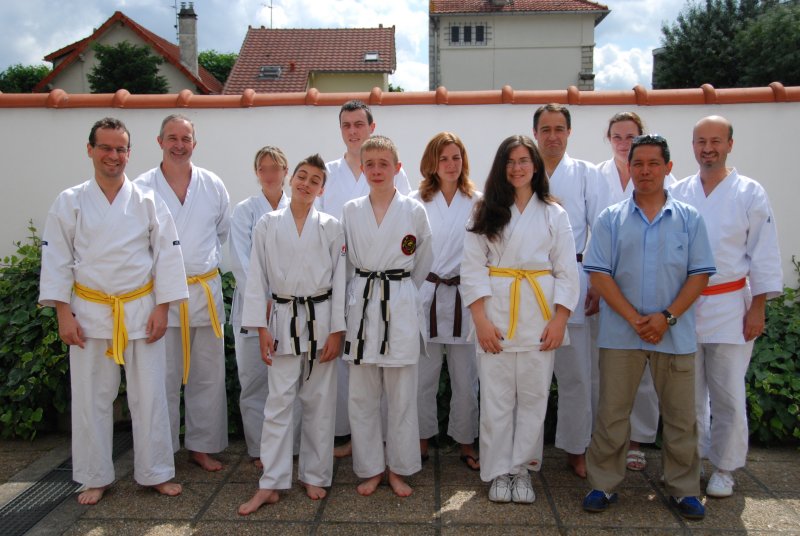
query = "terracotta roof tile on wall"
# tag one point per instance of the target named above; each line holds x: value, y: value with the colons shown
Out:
x: 300, y: 51
x: 487, y: 6
x: 206, y: 83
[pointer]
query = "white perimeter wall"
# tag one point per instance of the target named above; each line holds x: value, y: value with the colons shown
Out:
x: 43, y: 151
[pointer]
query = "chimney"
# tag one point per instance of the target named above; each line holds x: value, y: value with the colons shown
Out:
x: 187, y: 36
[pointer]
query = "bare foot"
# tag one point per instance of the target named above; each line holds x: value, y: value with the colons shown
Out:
x: 368, y: 486
x: 578, y: 464
x: 470, y: 457
x: 262, y: 496
x: 92, y: 495
x: 257, y: 463
x: 423, y: 449
x: 399, y: 486
x: 314, y: 492
x: 206, y: 461
x: 171, y: 489
x: 343, y: 451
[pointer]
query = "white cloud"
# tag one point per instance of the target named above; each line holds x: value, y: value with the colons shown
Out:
x: 622, y: 69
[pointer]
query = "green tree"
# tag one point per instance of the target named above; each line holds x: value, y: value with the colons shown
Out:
x: 126, y: 66
x: 395, y: 89
x: 771, y: 48
x: 217, y: 63
x: 700, y: 47
x: 22, y: 78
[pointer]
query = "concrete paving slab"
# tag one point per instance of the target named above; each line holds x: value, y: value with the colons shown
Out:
x: 504, y: 530
x: 127, y: 500
x: 636, y: 508
x: 293, y: 505
x: 776, y: 476
x: 105, y: 527
x: 471, y: 505
x: 345, y: 504
x: 249, y: 527
x: 375, y: 529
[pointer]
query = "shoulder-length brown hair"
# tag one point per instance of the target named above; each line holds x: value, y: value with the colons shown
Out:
x: 429, y: 164
x: 493, y: 211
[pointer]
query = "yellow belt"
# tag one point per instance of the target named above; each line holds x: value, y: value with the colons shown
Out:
x: 184, y: 311
x: 119, y: 338
x: 518, y: 276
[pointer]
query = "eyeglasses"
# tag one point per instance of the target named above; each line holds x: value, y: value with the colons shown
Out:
x: 108, y: 149
x: 524, y: 163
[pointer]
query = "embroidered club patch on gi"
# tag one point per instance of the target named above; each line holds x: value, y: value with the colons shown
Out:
x: 409, y: 244
x: 176, y: 242
x: 344, y: 250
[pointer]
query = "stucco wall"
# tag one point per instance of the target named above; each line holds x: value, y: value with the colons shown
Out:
x: 527, y: 52
x: 348, y: 82
x: 43, y: 150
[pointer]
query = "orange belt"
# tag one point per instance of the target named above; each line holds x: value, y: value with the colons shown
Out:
x: 724, y: 288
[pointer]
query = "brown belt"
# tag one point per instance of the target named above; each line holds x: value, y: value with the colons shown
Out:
x: 452, y: 282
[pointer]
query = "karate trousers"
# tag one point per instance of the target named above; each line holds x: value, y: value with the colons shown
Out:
x: 722, y: 431
x: 399, y: 385
x: 204, y: 399
x: 253, y: 395
x: 573, y: 370
x: 673, y: 376
x: 509, y: 440
x: 95, y: 379
x: 644, y: 417
x: 317, y: 402
x: 462, y: 366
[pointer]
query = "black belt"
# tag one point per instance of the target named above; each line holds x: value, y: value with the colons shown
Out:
x: 397, y: 274
x: 311, y: 321
x: 579, y: 257
x: 452, y: 282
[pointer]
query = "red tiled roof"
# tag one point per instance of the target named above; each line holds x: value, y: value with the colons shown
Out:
x: 206, y: 83
x: 299, y: 52
x: 514, y: 6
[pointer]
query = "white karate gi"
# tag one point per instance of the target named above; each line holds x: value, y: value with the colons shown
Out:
x: 283, y: 265
x: 582, y: 192
x: 251, y: 369
x: 203, y: 223
x: 644, y: 416
x: 519, y: 377
x: 448, y: 226
x: 340, y: 187
x: 401, y: 242
x: 114, y: 248
x: 742, y: 232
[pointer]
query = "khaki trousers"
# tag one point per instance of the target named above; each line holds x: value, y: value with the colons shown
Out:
x: 673, y: 378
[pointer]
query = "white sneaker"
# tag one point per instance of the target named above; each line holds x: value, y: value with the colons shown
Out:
x: 500, y: 490
x: 521, y: 489
x: 720, y: 484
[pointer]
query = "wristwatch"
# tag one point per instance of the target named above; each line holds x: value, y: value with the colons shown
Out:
x: 671, y: 319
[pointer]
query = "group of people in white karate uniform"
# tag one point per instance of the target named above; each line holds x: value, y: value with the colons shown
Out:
x: 352, y: 290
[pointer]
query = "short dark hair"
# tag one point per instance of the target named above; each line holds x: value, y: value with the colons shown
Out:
x: 555, y: 108
x: 650, y: 139
x: 352, y: 106
x: 110, y: 123
x: 315, y: 160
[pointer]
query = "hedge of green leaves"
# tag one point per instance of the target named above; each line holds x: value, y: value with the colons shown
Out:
x: 34, y: 379
x: 773, y: 382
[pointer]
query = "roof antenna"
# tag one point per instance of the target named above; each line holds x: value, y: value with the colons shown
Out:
x: 177, y: 32
x: 270, y: 12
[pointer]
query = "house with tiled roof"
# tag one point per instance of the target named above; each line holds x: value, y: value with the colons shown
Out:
x: 527, y: 44
x: 297, y: 59
x: 73, y: 63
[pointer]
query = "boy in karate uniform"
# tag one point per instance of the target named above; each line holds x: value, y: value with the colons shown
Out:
x: 111, y: 266
x: 389, y: 256
x: 298, y: 262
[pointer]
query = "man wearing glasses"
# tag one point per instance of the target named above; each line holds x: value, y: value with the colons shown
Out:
x: 649, y: 259
x: 580, y: 190
x: 110, y: 251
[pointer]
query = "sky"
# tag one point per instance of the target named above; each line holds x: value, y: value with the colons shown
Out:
x: 32, y: 29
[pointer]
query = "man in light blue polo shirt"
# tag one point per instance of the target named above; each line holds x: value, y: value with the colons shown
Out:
x: 649, y: 258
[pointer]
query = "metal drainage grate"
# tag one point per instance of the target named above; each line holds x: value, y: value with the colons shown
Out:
x: 27, y: 509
